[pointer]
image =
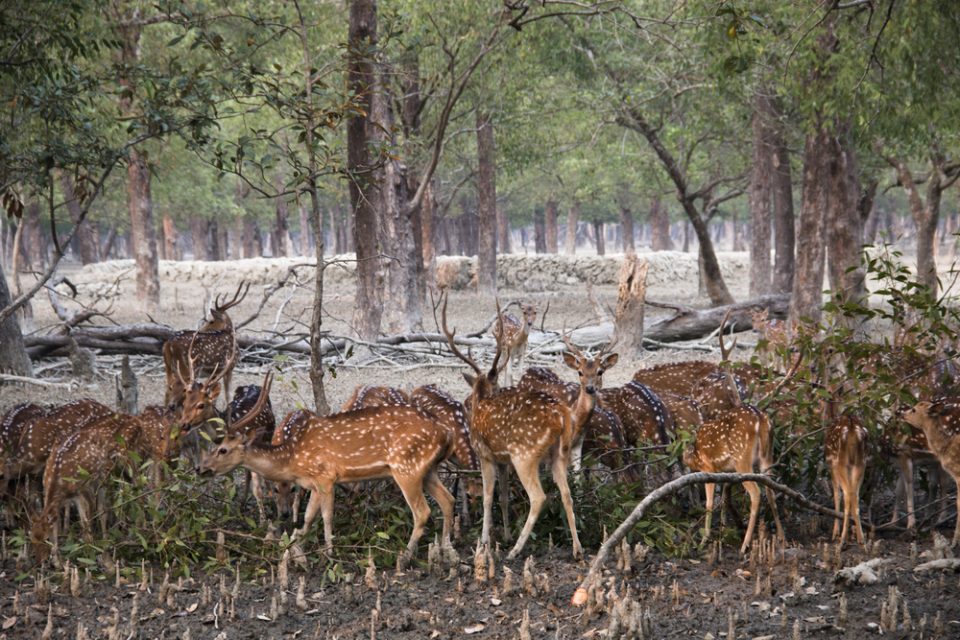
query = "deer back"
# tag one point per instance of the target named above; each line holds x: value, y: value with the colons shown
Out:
x: 515, y: 423
x: 11, y: 426
x: 718, y: 392
x: 685, y: 411
x: 292, y: 425
x: 732, y: 441
x: 679, y: 378
x: 449, y: 413
x: 244, y: 400
x: 644, y: 416
x: 41, y: 434
x: 366, y: 396
x: 545, y: 380
x: 159, y: 436
x: 940, y: 422
x: 845, y: 441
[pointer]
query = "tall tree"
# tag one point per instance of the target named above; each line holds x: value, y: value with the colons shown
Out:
x: 487, y: 204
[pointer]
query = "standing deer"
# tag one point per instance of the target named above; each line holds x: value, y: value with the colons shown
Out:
x: 526, y: 428
x: 211, y: 348
x: 736, y: 440
x: 940, y: 422
x: 512, y: 333
x: 845, y: 449
x: 380, y: 442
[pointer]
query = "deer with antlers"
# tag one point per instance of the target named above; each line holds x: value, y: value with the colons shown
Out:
x: 513, y: 333
x: 212, y: 348
x: 380, y: 442
x: 526, y: 428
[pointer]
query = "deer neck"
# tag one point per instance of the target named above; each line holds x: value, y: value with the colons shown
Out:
x: 272, y: 462
x: 583, y: 407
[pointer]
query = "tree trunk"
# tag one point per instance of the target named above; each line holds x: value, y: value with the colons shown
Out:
x: 550, y: 226
x: 486, y: 205
x: 109, y: 243
x: 282, y: 245
x: 304, y: 228
x: 169, y: 239
x: 761, y: 196
x: 86, y: 236
x: 626, y: 222
x: 807, y: 295
x: 13, y: 355
x: 631, y: 298
x: 200, y: 237
x: 844, y: 227
x: 143, y: 234
x: 218, y: 241
x: 250, y: 237
x: 598, y: 238
x: 573, y: 219
x: 660, y: 227
x: 503, y: 232
x: 539, y: 231
x: 361, y: 81
x: 783, y: 217
x: 35, y: 249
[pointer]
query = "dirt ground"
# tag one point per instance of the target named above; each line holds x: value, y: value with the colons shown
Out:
x: 792, y: 595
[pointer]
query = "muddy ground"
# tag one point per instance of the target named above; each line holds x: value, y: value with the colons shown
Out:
x: 693, y: 595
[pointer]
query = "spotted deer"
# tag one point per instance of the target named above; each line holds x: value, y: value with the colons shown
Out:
x: 286, y: 495
x: 213, y: 347
x: 940, y: 422
x: 449, y: 413
x: 775, y: 340
x: 78, y: 466
x: 679, y: 378
x: 366, y: 395
x: 513, y: 333
x: 845, y: 449
x: 736, y: 440
x: 380, y: 442
x: 526, y: 428
x: 264, y: 424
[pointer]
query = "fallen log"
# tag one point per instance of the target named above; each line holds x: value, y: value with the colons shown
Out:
x: 690, y: 324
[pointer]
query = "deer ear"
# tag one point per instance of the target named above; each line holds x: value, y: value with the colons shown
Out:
x: 471, y: 380
x: 570, y: 360
x: 611, y: 360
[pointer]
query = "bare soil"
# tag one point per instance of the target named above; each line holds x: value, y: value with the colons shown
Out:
x: 696, y: 596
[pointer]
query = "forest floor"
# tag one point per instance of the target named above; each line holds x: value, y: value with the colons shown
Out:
x: 692, y: 594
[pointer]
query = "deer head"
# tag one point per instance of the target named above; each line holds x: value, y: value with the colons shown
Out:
x: 529, y: 314
x: 590, y: 370
x: 483, y: 384
x: 200, y: 397
x: 229, y: 454
x: 218, y: 312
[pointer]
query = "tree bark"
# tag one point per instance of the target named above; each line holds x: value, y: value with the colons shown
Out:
x: 784, y: 224
x: 626, y: 223
x: 305, y: 228
x: 844, y: 227
x: 550, y: 226
x: 599, y: 240
x: 503, y: 232
x: 361, y: 81
x: 807, y: 297
x: 169, y: 239
x: 539, y: 231
x: 34, y: 241
x: 573, y: 220
x: 282, y: 245
x: 250, y: 237
x: 200, y: 237
x: 761, y: 196
x: 486, y: 205
x: 631, y: 298
x: 660, y: 239
x: 143, y: 234
x: 86, y: 236
x: 13, y: 355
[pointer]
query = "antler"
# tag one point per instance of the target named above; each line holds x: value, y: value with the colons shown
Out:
x: 237, y: 298
x: 241, y: 425
x: 450, y: 337
x: 724, y: 352
x: 191, y: 364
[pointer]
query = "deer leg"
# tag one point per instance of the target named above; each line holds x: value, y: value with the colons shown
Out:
x: 503, y: 473
x: 835, y: 484
x: 84, y: 509
x: 256, y: 487
x: 754, y: 491
x: 446, y: 501
x: 710, y: 489
x: 856, y: 479
x: 412, y: 488
x: 559, y: 468
x: 319, y: 496
x: 527, y: 471
x: 488, y: 473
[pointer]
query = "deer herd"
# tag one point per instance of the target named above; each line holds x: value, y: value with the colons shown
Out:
x: 385, y: 432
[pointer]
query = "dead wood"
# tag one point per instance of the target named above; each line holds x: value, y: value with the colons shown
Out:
x: 688, y: 323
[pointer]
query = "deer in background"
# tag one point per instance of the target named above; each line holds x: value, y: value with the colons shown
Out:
x: 512, y: 334
x: 526, y: 428
x: 211, y: 348
x: 736, y: 440
x: 940, y: 423
x: 845, y: 449
x: 776, y: 337
x: 380, y: 442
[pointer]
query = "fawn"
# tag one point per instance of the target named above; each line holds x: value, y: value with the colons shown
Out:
x: 513, y: 333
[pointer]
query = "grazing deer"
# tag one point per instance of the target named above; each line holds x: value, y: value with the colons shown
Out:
x: 213, y: 347
x: 735, y: 441
x: 79, y: 464
x: 512, y: 334
x: 366, y: 395
x: 526, y: 428
x: 379, y: 442
x: 845, y: 449
x: 940, y: 423
x: 264, y: 424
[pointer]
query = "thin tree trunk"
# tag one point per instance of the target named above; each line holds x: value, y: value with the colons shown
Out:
x: 169, y: 239
x: 85, y: 238
x: 539, y: 231
x: 626, y: 222
x: 304, y: 228
x: 573, y: 219
x: 252, y: 244
x: 487, y: 205
x: 218, y: 245
x: 361, y: 81
x: 36, y: 252
x: 282, y: 246
x: 660, y: 227
x: 109, y: 243
x: 598, y: 238
x: 761, y: 196
x: 503, y: 232
x: 200, y: 237
x: 550, y: 226
x: 784, y: 224
x: 428, y: 235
